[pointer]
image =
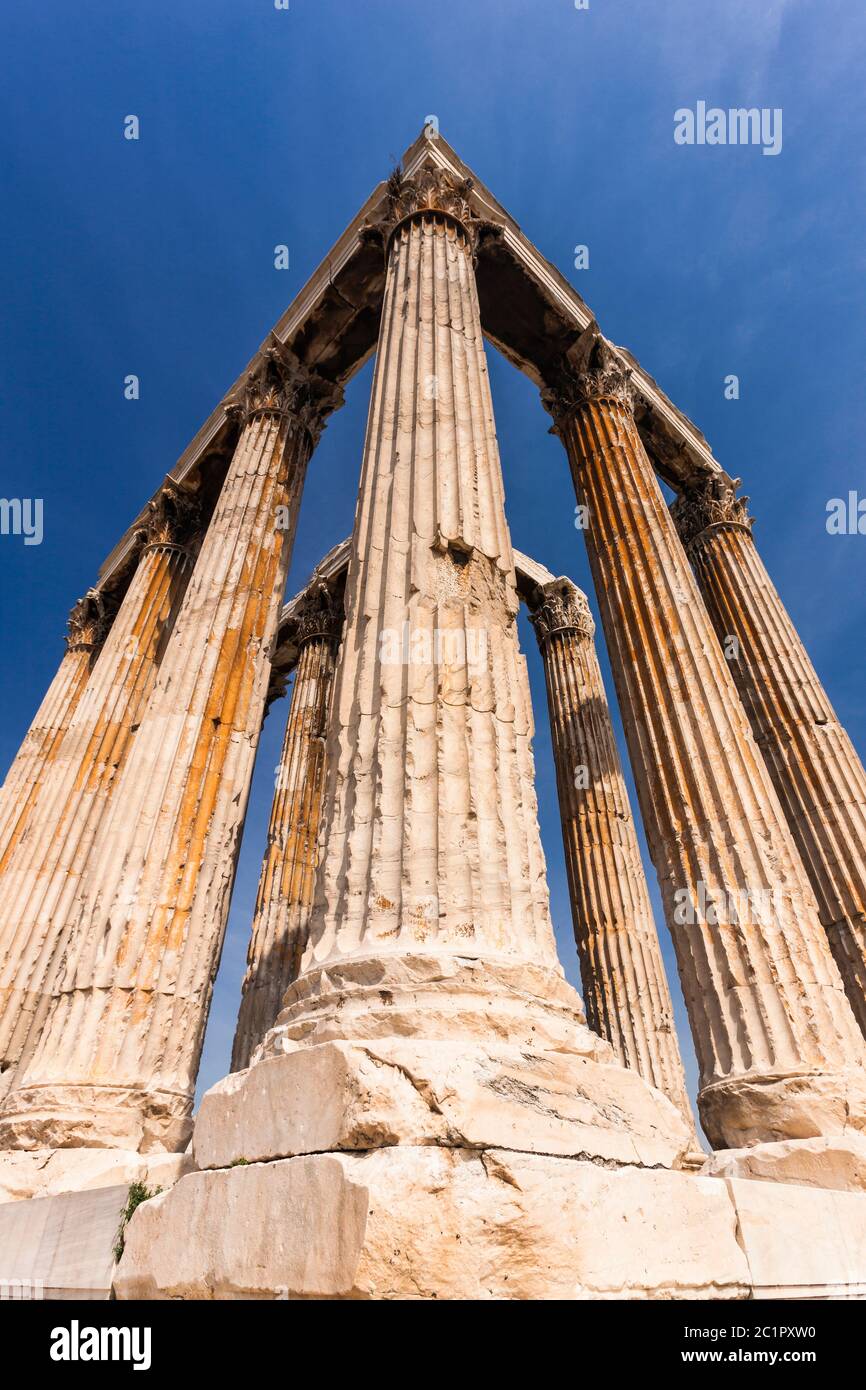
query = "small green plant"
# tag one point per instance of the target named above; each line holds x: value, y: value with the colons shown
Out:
x: 239, y: 1163
x: 139, y: 1192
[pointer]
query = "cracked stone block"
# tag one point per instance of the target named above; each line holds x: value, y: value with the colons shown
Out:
x: 395, y: 1091
x: 429, y: 1222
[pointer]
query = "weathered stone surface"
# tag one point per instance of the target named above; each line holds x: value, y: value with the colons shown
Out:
x: 430, y: 827
x: 419, y: 1223
x: 285, y: 893
x: 48, y: 1172
x: 42, y: 741
x: 625, y: 988
x: 435, y: 995
x: 262, y: 1231
x: 61, y: 1247
x: 802, y: 1243
x: 342, y: 1096
x: 43, y: 876
x: 123, y: 1043
x: 779, y: 1050
x: 820, y: 780
x: 836, y: 1162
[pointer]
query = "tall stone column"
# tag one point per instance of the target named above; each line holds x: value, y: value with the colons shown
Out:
x: 285, y: 895
x: 43, y: 878
x: 779, y: 1049
x: 88, y: 623
x: 625, y: 989
x: 431, y: 915
x: 817, y: 774
x: 116, y: 1062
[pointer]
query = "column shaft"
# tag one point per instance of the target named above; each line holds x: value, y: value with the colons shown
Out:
x: 116, y: 1063
x: 43, y: 878
x: 432, y: 864
x: 42, y: 741
x: 779, y: 1050
x: 625, y: 988
x: 815, y: 768
x: 285, y: 895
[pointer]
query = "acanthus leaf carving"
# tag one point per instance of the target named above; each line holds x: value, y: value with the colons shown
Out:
x: 709, y: 500
x: 89, y: 620
x: 590, y: 371
x: 561, y: 607
x: 173, y: 517
x: 430, y: 190
x: 281, y: 385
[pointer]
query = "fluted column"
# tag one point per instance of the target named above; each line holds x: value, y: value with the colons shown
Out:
x: 116, y: 1065
x: 815, y: 769
x: 43, y: 877
x: 88, y: 623
x: 431, y: 914
x: 625, y: 990
x: 285, y: 894
x: 779, y: 1049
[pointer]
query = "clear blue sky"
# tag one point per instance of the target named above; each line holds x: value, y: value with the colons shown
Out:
x: 261, y: 126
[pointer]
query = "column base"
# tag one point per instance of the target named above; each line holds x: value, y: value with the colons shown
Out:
x: 765, y: 1109
x: 837, y: 1164
x: 100, y: 1117
x: 435, y: 995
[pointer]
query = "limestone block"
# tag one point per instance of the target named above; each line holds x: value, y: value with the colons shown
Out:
x: 432, y: 1222
x: 350, y: 1096
x: 63, y: 1246
x: 838, y: 1163
x: 800, y: 1242
x: 48, y: 1172
x: 260, y: 1231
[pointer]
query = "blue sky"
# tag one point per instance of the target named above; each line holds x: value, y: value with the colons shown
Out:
x: 261, y: 126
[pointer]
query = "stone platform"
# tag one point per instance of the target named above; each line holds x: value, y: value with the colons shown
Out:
x: 427, y: 1222
x: 398, y: 1169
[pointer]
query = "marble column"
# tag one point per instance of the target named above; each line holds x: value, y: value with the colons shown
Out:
x: 43, y: 877
x: 285, y: 894
x: 116, y: 1063
x: 817, y: 774
x: 625, y: 990
x: 779, y: 1050
x: 431, y: 914
x: 89, y: 621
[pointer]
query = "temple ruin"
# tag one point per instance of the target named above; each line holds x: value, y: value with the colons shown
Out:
x: 420, y: 1105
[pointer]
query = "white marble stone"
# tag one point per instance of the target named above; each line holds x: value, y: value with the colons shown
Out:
x: 398, y: 1091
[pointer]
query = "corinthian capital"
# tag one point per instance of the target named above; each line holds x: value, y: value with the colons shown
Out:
x: 173, y: 516
x: 429, y: 191
x: 320, y: 614
x: 561, y: 607
x: 89, y: 621
x: 709, y: 500
x: 281, y: 385
x: 591, y: 371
